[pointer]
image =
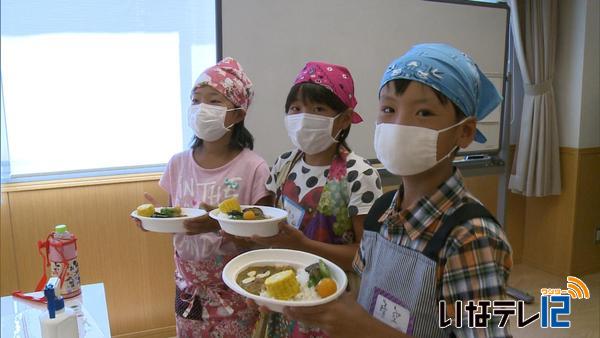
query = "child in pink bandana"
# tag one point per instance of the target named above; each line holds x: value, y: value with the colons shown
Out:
x: 326, y: 188
x: 219, y: 165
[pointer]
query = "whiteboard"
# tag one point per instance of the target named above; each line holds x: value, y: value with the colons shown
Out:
x: 273, y: 39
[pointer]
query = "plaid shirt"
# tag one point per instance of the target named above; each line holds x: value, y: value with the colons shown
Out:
x: 475, y: 262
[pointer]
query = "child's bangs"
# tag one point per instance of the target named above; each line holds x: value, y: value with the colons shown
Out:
x: 315, y: 94
x: 401, y: 85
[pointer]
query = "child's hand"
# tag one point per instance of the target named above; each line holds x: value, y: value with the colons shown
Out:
x: 252, y: 305
x: 206, y: 207
x: 240, y: 242
x: 339, y: 318
x: 150, y: 199
x: 287, y: 238
x: 200, y: 225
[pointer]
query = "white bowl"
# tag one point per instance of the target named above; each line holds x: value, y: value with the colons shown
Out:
x: 246, y: 228
x: 297, y: 259
x: 171, y: 224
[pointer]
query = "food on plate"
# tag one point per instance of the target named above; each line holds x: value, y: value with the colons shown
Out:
x: 148, y: 210
x: 284, y: 282
x: 283, y: 285
x: 253, y: 278
x: 249, y: 215
x: 316, y: 272
x: 232, y: 208
x: 230, y: 205
x: 326, y: 287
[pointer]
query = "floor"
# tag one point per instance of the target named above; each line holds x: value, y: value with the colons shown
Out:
x: 585, y: 314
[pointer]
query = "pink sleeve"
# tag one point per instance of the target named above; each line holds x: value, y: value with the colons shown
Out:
x: 259, y: 189
x: 166, y: 179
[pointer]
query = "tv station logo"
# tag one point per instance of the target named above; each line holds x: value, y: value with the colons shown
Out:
x: 555, y: 307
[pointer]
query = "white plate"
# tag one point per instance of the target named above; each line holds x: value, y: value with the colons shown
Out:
x: 246, y: 228
x: 168, y: 225
x: 297, y: 259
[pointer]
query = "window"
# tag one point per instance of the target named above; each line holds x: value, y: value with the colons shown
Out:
x: 98, y: 86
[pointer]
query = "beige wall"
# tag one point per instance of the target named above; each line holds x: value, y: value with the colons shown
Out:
x: 558, y: 231
x: 135, y: 267
x: 590, y: 106
x: 586, y: 254
x: 577, y: 77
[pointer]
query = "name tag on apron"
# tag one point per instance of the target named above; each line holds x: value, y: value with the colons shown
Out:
x: 295, y: 212
x: 389, y: 310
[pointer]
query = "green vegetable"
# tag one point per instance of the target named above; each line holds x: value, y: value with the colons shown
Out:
x: 324, y: 270
x: 168, y: 212
x: 316, y: 272
x: 236, y: 215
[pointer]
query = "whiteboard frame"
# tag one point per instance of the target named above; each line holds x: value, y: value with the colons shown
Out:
x: 492, y: 153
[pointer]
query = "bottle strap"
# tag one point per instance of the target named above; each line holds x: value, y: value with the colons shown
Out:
x: 43, y: 251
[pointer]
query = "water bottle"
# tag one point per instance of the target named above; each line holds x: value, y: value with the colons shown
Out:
x: 61, y: 246
x: 59, y: 321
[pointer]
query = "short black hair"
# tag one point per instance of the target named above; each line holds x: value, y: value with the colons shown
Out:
x: 401, y: 85
x: 240, y: 138
x: 315, y: 93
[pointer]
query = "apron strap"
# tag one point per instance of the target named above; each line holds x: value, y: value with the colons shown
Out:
x: 461, y: 215
x: 381, y: 205
x: 282, y: 177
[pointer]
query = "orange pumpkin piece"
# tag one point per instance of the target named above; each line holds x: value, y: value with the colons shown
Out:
x: 249, y: 215
x: 326, y: 287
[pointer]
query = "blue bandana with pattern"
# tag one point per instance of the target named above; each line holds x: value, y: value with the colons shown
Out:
x: 452, y: 73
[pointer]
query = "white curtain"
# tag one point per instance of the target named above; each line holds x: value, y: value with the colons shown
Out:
x: 537, y: 166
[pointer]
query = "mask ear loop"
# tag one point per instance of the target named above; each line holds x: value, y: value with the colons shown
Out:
x: 456, y: 146
x: 447, y: 155
x: 339, y: 131
x: 233, y: 124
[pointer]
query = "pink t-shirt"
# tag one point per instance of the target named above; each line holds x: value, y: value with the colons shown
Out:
x: 188, y: 184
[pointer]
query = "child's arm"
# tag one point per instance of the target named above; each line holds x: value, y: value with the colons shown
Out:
x: 343, y: 317
x: 201, y: 224
x: 267, y: 201
x: 477, y: 268
x: 292, y: 238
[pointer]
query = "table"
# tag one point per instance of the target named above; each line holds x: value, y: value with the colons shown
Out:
x: 20, y: 318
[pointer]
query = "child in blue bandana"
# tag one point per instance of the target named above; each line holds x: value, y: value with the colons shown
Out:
x: 430, y: 243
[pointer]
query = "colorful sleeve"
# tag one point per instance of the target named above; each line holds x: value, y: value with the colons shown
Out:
x: 477, y: 269
x: 364, y: 185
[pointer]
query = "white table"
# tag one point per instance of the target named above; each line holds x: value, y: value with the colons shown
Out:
x: 20, y: 318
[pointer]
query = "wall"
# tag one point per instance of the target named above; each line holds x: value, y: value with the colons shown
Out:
x: 577, y: 78
x: 135, y: 267
x: 586, y: 254
x: 590, y: 105
x: 558, y: 231
x: 569, y: 70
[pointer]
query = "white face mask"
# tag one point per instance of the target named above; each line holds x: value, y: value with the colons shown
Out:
x: 310, y: 133
x: 208, y: 121
x: 408, y: 150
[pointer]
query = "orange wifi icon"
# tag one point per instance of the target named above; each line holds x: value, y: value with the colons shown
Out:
x: 577, y: 288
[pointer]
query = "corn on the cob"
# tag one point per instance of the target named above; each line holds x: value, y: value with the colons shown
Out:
x: 229, y: 205
x: 283, y: 285
x: 145, y: 210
